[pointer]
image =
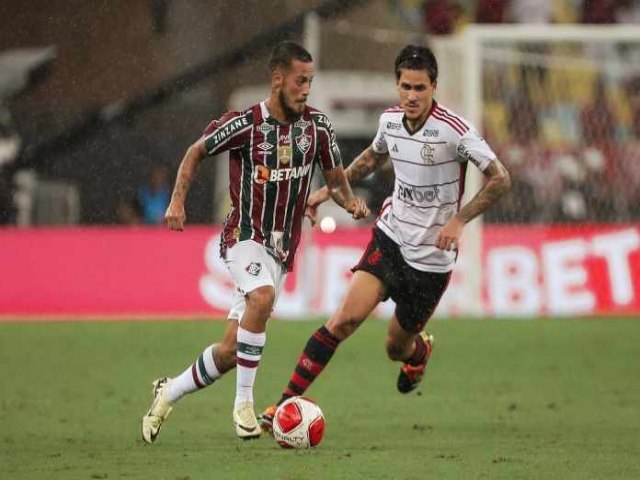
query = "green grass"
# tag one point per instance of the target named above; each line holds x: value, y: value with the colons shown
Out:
x: 501, y: 400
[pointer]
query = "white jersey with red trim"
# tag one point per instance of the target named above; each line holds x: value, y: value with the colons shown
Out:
x: 430, y: 167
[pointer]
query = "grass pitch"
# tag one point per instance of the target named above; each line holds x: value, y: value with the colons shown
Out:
x: 501, y: 400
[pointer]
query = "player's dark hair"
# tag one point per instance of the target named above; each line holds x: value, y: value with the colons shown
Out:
x: 413, y: 57
x: 286, y: 52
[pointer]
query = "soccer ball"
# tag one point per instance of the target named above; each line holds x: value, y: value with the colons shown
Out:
x: 298, y: 423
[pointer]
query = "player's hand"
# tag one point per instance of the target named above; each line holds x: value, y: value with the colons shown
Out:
x: 358, y: 208
x: 175, y: 216
x: 313, y: 202
x: 311, y: 212
x: 449, y: 235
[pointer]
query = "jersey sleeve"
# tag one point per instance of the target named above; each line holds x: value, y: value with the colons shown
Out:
x: 226, y: 133
x: 329, y: 152
x: 473, y: 148
x: 379, y: 144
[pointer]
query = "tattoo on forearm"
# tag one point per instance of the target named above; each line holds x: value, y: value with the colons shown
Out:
x: 359, y: 169
x: 186, y: 173
x: 363, y: 165
x: 499, y: 183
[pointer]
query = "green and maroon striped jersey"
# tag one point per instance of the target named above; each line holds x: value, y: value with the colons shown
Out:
x: 270, y: 170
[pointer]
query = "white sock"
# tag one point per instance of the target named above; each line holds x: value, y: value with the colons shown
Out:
x: 202, y: 373
x: 250, y: 347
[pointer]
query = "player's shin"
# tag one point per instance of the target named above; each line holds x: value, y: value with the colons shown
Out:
x: 200, y: 374
x: 249, y: 353
x: 316, y: 355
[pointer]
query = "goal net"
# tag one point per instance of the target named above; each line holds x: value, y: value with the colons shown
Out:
x: 560, y: 105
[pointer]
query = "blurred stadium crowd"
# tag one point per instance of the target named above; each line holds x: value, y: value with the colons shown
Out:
x: 438, y: 17
x: 570, y: 136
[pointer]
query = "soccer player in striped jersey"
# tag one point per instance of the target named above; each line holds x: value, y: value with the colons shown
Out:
x: 414, y: 243
x: 273, y: 148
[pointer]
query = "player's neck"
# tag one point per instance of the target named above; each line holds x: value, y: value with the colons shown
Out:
x: 277, y: 111
x: 417, y: 123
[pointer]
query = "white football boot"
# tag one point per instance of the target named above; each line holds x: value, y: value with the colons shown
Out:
x: 244, y: 418
x: 158, y: 413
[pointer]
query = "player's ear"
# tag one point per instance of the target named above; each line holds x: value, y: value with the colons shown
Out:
x: 277, y: 77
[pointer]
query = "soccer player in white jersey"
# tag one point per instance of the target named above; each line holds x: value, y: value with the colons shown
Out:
x: 273, y: 147
x: 415, y: 239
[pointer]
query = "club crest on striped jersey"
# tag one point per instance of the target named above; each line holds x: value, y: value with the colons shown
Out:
x: 254, y: 268
x: 427, y: 154
x: 303, y: 142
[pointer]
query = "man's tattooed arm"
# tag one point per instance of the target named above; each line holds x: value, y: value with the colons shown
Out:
x: 175, y: 214
x: 364, y: 164
x: 498, y: 183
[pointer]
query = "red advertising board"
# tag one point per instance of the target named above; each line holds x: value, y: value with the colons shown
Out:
x: 526, y: 271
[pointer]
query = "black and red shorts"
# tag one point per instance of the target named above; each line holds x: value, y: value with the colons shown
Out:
x: 416, y: 293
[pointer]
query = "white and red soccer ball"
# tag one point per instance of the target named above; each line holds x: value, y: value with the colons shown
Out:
x: 298, y: 423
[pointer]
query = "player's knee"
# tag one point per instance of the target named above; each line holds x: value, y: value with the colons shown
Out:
x: 342, y: 326
x: 261, y: 300
x: 225, y: 357
x: 395, y: 351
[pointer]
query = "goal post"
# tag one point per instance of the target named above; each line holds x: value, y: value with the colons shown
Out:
x: 561, y: 69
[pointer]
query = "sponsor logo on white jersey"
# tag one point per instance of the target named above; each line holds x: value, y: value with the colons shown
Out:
x: 413, y: 194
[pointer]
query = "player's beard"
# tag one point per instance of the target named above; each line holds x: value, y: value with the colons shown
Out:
x: 291, y: 114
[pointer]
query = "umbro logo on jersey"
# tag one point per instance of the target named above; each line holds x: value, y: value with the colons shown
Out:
x: 264, y: 146
x: 394, y: 126
x: 431, y: 133
x: 253, y: 268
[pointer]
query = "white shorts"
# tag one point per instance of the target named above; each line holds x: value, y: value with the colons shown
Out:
x: 252, y: 267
